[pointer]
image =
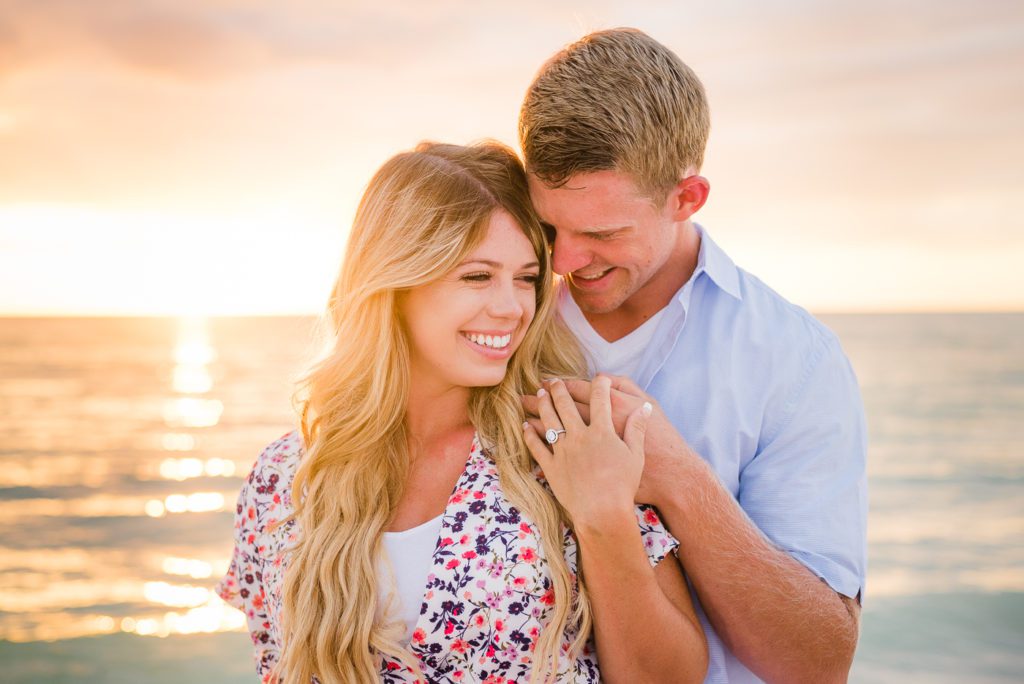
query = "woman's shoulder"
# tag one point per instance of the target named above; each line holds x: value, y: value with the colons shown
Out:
x: 272, y: 474
x: 283, y: 450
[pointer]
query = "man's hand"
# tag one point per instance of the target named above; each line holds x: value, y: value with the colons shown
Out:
x: 664, y: 448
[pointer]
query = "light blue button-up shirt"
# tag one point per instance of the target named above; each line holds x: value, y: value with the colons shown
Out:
x: 764, y: 393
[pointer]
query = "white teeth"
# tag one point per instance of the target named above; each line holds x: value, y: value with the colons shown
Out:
x: 492, y: 341
x: 592, y: 277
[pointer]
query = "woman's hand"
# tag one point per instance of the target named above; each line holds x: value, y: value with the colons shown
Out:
x: 591, y: 471
x: 665, y: 450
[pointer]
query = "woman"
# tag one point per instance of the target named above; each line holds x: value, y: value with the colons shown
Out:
x: 414, y: 562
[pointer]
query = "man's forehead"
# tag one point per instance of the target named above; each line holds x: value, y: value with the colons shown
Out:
x: 586, y: 205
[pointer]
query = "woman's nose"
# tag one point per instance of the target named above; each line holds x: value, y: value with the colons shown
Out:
x: 506, y: 301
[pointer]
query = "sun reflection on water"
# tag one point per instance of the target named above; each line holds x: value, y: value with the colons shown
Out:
x: 192, y: 412
x: 178, y: 441
x: 190, y: 567
x: 176, y: 595
x: 199, y: 502
x: 212, y: 616
x: 193, y: 347
x: 192, y: 380
x: 108, y: 505
x: 186, y: 468
x: 192, y: 354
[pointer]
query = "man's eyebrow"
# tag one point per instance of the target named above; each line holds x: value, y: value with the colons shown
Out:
x: 497, y: 264
x: 603, y: 229
x: 591, y: 229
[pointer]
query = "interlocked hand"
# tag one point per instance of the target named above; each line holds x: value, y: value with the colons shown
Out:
x: 590, y: 469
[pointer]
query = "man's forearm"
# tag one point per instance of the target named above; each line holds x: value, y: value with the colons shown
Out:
x: 774, y: 614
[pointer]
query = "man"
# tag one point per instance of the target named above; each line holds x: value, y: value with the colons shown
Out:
x: 755, y: 454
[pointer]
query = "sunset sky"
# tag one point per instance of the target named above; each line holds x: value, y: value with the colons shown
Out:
x: 202, y: 157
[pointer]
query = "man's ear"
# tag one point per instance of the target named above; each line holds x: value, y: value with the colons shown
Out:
x: 688, y: 196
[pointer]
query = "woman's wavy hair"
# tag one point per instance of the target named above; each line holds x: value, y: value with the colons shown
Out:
x: 421, y: 214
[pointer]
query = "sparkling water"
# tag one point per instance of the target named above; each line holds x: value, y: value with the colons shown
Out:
x: 123, y: 442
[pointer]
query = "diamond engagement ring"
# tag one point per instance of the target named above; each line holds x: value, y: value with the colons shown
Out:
x: 551, y: 436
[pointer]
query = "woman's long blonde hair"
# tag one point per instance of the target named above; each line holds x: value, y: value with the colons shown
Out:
x: 421, y: 214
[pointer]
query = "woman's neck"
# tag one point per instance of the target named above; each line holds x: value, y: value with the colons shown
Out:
x: 433, y: 415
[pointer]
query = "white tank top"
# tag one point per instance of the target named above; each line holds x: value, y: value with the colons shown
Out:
x: 409, y: 554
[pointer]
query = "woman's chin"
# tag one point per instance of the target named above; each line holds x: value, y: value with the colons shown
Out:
x: 491, y: 378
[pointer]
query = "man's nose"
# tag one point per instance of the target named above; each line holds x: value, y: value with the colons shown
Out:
x: 567, y: 255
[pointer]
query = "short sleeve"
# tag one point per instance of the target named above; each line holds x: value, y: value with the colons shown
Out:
x: 242, y: 585
x: 243, y: 560
x: 658, y: 541
x: 806, y: 487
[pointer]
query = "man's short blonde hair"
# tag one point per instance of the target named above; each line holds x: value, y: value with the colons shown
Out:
x: 615, y: 99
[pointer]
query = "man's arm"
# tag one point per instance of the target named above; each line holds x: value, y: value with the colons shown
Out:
x: 776, y: 615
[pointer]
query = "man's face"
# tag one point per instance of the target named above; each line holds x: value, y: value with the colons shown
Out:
x: 609, y: 241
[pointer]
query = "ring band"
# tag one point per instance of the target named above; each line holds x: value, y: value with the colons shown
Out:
x: 551, y: 435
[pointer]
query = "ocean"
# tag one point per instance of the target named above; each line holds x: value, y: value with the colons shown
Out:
x: 123, y: 443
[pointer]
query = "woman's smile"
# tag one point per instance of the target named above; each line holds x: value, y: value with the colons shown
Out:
x: 495, y: 347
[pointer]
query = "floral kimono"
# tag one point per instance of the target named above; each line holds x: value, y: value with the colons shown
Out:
x: 486, y: 598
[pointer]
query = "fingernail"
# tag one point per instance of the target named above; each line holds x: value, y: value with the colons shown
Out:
x: 647, y: 408
x: 526, y: 425
x: 541, y: 392
x: 553, y: 380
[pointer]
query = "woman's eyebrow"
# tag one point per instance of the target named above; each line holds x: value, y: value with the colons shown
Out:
x: 497, y: 264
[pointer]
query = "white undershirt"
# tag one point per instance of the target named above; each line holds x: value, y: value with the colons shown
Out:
x: 621, y: 357
x: 409, y: 554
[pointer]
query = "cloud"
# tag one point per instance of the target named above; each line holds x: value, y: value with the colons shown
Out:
x: 216, y: 38
x: 174, y: 39
x: 834, y: 122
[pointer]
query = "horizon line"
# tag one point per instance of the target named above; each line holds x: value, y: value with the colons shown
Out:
x: 298, y: 314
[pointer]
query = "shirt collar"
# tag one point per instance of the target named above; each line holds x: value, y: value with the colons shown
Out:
x: 717, y: 265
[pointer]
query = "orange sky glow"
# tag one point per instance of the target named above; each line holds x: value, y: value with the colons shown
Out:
x: 203, y: 158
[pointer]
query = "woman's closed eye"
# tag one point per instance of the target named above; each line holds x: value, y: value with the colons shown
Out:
x: 483, y: 277
x: 478, y: 277
x: 531, y: 278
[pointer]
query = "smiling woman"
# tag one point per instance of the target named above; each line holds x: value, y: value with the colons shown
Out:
x: 407, y: 533
x: 464, y: 327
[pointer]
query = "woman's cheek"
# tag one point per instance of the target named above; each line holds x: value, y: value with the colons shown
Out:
x: 529, y: 309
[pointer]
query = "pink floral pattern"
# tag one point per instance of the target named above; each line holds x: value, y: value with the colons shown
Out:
x: 486, y: 598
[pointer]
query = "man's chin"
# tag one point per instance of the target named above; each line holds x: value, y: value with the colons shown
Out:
x: 595, y: 303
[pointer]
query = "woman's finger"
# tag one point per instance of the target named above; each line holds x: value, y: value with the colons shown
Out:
x: 636, y: 428
x: 538, y: 447
x: 568, y: 416
x: 548, y: 416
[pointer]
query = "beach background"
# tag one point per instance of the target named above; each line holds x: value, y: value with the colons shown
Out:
x: 125, y: 441
x: 176, y: 177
